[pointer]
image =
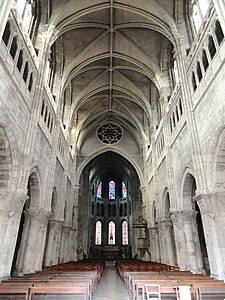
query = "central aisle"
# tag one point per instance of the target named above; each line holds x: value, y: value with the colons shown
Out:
x: 111, y: 285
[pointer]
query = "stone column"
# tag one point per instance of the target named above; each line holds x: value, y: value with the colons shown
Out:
x: 180, y: 241
x: 211, y: 229
x: 65, y: 245
x: 168, y: 226
x: 73, y: 232
x: 75, y: 219
x: 73, y: 253
x: 162, y: 248
x: 144, y: 202
x: 51, y: 256
x: 9, y: 225
x: 154, y: 244
x: 33, y: 248
x: 165, y: 240
x: 192, y: 241
x: 41, y: 239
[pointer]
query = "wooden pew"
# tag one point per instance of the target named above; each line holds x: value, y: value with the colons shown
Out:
x: 62, y: 290
x: 82, y: 275
x: 212, y: 292
x: 15, y: 289
x: 72, y: 282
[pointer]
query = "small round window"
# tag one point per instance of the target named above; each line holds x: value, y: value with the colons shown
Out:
x: 109, y: 133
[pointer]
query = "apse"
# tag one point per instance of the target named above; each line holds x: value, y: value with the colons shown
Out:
x: 109, y: 201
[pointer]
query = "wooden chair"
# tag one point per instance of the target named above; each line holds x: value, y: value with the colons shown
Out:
x: 153, y: 291
x: 183, y: 292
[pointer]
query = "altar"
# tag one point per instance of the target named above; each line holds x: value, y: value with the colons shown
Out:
x: 111, y: 250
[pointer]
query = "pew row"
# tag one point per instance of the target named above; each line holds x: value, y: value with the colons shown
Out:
x: 71, y: 278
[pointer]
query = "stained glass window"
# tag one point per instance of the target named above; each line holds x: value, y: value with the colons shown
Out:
x: 112, y: 193
x: 124, y: 190
x: 99, y: 190
x: 98, y: 233
x: 112, y: 229
x: 124, y: 233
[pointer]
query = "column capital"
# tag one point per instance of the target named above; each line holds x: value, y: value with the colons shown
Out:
x: 189, y: 214
x: 177, y: 218
x: 15, y: 201
x: 205, y: 203
x: 39, y: 216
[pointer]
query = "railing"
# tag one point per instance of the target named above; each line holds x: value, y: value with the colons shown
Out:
x: 47, y: 113
x: 204, y: 52
x: 19, y: 56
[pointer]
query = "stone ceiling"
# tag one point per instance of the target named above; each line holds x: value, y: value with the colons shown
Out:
x: 111, y: 61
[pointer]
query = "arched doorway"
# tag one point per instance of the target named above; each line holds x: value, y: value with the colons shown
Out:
x: 109, y: 186
x: 193, y: 227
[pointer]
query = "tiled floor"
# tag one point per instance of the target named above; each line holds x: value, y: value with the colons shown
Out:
x: 111, y: 286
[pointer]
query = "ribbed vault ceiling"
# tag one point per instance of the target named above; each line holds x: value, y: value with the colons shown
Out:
x: 109, y: 56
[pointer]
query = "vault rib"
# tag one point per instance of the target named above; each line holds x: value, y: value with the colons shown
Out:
x: 111, y: 53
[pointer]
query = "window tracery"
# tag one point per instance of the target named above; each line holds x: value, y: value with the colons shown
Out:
x: 109, y: 133
x: 112, y: 230
x: 98, y: 234
x: 125, y: 233
x: 99, y: 190
x: 112, y: 190
x: 124, y: 190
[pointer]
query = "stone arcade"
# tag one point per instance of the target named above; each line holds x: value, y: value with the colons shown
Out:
x: 112, y: 132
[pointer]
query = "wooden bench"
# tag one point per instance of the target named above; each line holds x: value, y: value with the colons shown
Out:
x: 187, y: 280
x: 15, y: 289
x: 62, y: 290
x: 212, y: 291
x: 72, y: 282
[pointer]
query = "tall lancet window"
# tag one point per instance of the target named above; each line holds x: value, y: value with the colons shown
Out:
x: 124, y: 233
x: 99, y: 191
x: 25, y: 10
x: 198, y: 11
x: 98, y: 233
x: 112, y: 231
x: 112, y: 190
x: 124, y: 190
